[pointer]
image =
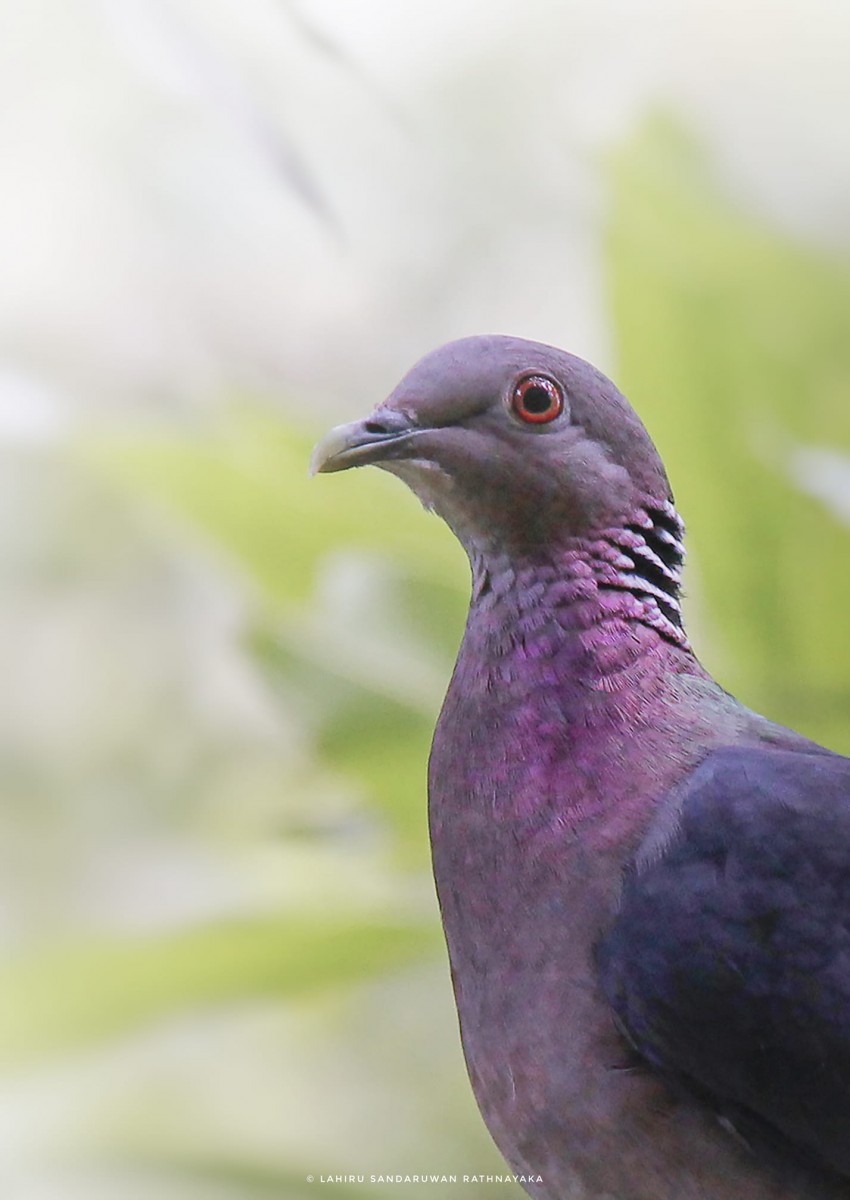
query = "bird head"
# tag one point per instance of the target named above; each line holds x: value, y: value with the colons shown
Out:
x: 517, y: 445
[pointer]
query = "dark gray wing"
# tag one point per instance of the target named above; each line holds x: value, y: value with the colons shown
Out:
x: 729, y: 963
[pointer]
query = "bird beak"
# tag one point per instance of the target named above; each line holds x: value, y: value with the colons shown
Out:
x: 371, y: 440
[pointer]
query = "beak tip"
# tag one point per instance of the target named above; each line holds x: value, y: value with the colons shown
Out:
x: 324, y: 453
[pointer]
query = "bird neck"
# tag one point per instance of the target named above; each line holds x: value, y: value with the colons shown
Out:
x: 565, y: 660
x: 621, y: 584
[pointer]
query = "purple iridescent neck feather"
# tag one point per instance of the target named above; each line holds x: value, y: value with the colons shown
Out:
x: 563, y: 657
x: 630, y: 573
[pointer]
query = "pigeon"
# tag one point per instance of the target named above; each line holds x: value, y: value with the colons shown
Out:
x: 644, y: 885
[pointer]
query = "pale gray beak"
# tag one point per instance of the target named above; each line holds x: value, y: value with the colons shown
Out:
x: 381, y: 436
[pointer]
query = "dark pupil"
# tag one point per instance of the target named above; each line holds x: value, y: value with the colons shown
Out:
x: 536, y: 400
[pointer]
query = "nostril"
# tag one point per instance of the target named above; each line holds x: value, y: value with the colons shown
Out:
x: 386, y: 424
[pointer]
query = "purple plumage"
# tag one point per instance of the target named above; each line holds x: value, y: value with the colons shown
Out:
x: 645, y: 887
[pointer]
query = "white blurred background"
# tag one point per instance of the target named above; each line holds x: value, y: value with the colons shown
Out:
x: 304, y: 197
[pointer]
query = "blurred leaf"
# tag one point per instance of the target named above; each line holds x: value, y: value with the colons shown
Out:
x: 80, y: 993
x: 734, y: 344
x: 370, y: 737
x: 361, y: 643
x: 244, y: 485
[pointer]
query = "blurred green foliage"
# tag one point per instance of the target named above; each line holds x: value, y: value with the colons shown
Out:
x: 102, y: 988
x: 362, y: 643
x: 733, y: 344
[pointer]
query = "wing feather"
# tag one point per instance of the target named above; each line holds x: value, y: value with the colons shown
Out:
x: 729, y: 963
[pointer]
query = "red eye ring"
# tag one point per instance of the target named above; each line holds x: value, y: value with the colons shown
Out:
x: 537, y: 400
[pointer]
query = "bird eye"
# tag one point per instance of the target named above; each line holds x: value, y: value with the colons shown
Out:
x: 537, y: 399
